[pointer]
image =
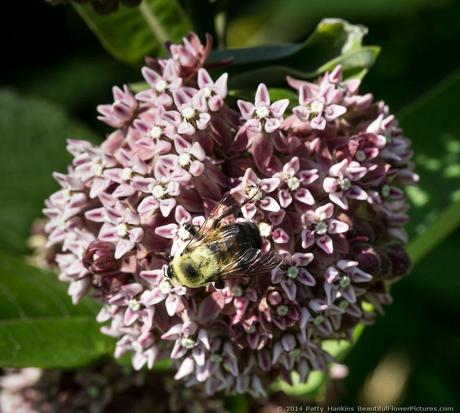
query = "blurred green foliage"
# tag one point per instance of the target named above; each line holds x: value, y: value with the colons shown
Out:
x: 57, y: 62
x: 39, y: 326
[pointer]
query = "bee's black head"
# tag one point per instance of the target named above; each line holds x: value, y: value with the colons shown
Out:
x: 169, y: 272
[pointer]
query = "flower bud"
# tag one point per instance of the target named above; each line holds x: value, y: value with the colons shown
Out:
x: 400, y: 260
x: 99, y: 258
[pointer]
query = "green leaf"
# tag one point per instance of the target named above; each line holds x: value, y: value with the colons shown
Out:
x: 433, y: 125
x: 39, y: 326
x: 333, y: 42
x: 33, y: 134
x: 131, y: 33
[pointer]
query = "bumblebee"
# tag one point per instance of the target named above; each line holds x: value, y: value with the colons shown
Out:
x: 220, y: 249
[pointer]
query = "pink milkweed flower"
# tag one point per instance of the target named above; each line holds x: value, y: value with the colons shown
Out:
x: 162, y: 85
x: 255, y: 190
x: 262, y: 115
x: 293, y: 271
x: 214, y: 92
x: 319, y: 104
x: 189, y: 160
x: 318, y: 224
x: 121, y: 225
x: 192, y: 109
x: 122, y: 111
x: 294, y: 182
x: 341, y: 280
x: 162, y: 290
x: 163, y: 192
x: 133, y: 166
x: 340, y: 182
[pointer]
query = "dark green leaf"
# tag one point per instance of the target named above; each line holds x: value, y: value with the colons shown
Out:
x: 434, y: 127
x: 333, y: 42
x: 33, y: 134
x: 39, y: 326
x: 131, y: 33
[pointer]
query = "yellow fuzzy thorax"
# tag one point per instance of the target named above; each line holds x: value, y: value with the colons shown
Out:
x: 204, y: 263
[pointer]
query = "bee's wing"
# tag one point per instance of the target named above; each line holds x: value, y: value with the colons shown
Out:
x: 223, y: 211
x: 249, y: 262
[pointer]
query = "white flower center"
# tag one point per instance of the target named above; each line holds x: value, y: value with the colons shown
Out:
x: 282, y: 310
x: 134, y: 305
x: 156, y: 132
x: 295, y: 353
x: 188, y: 113
x: 165, y: 287
x: 318, y: 320
x: 122, y: 230
x: 345, y: 282
x: 345, y: 184
x: 253, y: 192
x: 183, y: 234
x: 237, y: 291
x: 126, y: 174
x: 161, y: 86
x: 188, y: 342
x: 206, y: 92
x: 184, y: 159
x: 292, y: 272
x: 386, y: 191
x: 262, y: 112
x: 216, y: 358
x: 97, y: 168
x: 137, y: 347
x: 293, y: 183
x: 67, y: 194
x: 343, y: 304
x: 320, y: 228
x: 317, y: 106
x: 158, y: 191
x: 360, y: 156
x: 265, y: 229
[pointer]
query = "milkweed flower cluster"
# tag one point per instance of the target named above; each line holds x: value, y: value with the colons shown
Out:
x: 322, y: 178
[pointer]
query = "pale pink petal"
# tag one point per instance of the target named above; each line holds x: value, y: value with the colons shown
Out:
x: 246, y: 109
x: 304, y: 195
x: 325, y: 243
x: 302, y: 258
x: 279, y: 107
x: 262, y: 96
x: 166, y: 206
x: 337, y: 227
x: 167, y: 231
x: 123, y: 246
x: 269, y: 204
x: 334, y: 111
x: 325, y: 211
x: 269, y: 184
x: 308, y: 238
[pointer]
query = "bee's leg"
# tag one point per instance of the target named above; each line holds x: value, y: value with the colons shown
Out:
x: 219, y: 284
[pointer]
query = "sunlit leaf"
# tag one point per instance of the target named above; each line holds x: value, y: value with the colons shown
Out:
x: 131, y: 33
x: 333, y: 42
x: 434, y: 127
